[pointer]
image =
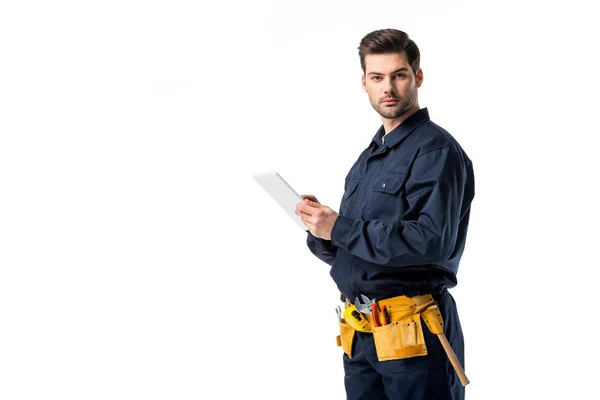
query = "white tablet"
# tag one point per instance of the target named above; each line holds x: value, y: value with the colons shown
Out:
x: 282, y: 193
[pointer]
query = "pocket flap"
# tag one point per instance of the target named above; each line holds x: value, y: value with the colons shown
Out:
x: 352, y: 185
x: 388, y: 182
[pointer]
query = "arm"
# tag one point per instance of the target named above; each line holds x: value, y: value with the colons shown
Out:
x: 427, y: 232
x: 325, y: 250
x: 322, y: 248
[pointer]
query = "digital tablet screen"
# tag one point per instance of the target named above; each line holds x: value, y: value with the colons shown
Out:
x: 282, y: 193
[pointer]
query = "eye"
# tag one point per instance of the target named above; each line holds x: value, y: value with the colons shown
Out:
x: 402, y: 75
x: 375, y: 77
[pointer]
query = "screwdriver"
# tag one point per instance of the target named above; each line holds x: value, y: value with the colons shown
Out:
x: 386, y: 316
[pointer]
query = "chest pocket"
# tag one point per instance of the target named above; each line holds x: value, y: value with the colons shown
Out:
x: 349, y: 200
x: 388, y: 182
x: 352, y: 185
x: 385, y: 198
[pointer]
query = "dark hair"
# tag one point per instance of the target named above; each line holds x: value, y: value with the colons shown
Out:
x: 386, y: 41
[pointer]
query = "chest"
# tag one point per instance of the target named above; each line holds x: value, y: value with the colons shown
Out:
x: 375, y: 187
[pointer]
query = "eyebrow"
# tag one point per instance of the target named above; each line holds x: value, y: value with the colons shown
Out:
x: 403, y: 69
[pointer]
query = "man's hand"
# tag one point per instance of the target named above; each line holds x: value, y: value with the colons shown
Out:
x: 319, y: 219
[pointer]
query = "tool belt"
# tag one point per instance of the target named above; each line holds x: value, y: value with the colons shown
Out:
x: 400, y: 336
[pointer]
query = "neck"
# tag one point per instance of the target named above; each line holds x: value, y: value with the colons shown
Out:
x: 391, y: 124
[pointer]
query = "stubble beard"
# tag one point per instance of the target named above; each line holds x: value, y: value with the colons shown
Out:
x: 397, y: 110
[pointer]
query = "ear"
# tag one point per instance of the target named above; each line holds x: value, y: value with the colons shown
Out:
x: 419, y: 76
x: 363, y: 82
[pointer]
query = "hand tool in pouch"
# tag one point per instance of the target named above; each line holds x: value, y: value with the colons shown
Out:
x: 433, y: 319
x: 386, y: 316
x: 375, y: 314
x: 355, y: 319
x: 353, y: 314
x: 338, y: 311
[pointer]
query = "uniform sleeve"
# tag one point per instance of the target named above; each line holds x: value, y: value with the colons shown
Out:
x: 427, y: 232
x: 325, y: 250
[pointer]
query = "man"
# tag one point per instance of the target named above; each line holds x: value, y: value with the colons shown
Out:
x: 399, y: 235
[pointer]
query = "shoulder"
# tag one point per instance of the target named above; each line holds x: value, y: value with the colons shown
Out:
x: 434, y: 146
x: 431, y: 136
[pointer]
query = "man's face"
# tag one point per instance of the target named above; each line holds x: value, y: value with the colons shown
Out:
x: 390, y: 77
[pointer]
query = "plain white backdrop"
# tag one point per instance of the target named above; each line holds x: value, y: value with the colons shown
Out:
x: 139, y: 260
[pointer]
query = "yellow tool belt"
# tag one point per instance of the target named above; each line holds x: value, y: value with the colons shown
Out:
x: 403, y: 336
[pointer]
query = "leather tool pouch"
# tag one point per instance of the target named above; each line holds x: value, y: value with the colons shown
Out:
x: 400, y: 339
x: 345, y: 338
x: 403, y: 336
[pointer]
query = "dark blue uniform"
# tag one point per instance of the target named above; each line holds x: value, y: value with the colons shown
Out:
x: 401, y: 231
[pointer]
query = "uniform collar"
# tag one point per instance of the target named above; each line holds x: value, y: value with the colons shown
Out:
x: 402, y: 130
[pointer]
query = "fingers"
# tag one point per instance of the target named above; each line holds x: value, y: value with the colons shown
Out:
x: 310, y: 208
x: 309, y: 197
x: 308, y: 224
x: 305, y: 217
x: 304, y: 209
x: 311, y: 203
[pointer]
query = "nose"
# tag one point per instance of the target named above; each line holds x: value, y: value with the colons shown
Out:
x: 388, y: 88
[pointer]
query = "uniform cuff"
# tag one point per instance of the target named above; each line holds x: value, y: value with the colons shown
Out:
x: 312, y: 238
x: 340, y: 231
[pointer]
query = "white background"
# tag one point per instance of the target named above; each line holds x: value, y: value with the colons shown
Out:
x: 139, y: 260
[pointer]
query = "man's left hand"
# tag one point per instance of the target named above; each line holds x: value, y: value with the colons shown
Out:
x: 319, y: 219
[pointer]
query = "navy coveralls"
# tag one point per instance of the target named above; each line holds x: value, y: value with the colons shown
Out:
x: 401, y: 230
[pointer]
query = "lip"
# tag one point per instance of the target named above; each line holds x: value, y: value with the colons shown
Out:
x: 390, y: 101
